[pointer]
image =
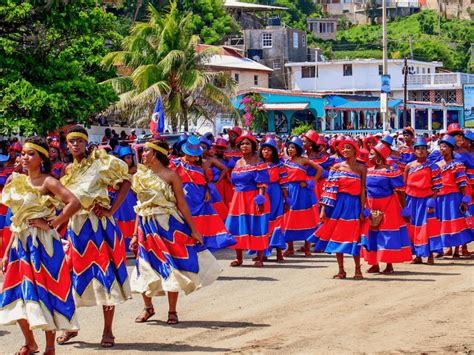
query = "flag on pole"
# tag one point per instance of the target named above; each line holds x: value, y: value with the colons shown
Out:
x: 157, y: 122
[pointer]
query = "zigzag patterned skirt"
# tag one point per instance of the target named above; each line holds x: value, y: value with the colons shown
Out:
x: 97, y: 255
x: 37, y: 284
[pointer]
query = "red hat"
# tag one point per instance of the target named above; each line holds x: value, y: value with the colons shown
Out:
x: 221, y: 142
x: 237, y: 130
x: 363, y: 156
x: 369, y: 138
x: 382, y: 149
x: 55, y: 144
x: 350, y: 141
x: 16, y: 147
x: 246, y: 135
x: 455, y: 128
x: 321, y: 141
x: 312, y: 136
x: 410, y: 130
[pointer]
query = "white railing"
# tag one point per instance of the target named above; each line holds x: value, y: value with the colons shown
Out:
x: 440, y: 79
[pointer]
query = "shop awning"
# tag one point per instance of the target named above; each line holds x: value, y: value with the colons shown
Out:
x: 363, y: 105
x: 286, y: 106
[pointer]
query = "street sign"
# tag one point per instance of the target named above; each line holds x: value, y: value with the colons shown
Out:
x: 385, y: 84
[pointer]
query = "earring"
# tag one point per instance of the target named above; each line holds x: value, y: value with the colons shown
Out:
x: 378, y: 162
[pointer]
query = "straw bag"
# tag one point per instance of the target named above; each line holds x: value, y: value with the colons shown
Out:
x: 376, y: 216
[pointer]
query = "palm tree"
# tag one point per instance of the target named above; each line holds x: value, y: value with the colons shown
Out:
x: 160, y: 58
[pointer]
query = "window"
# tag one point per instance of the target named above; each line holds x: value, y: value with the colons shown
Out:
x: 267, y: 40
x: 347, y: 70
x: 330, y: 27
x: 237, y: 77
x: 308, y: 72
x: 380, y: 69
x: 255, y: 79
x: 303, y: 40
x: 418, y: 70
x: 423, y: 70
x: 451, y: 94
x: 428, y: 70
x: 295, y: 40
x: 276, y: 64
x: 322, y: 27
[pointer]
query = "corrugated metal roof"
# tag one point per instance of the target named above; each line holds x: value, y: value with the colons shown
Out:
x: 362, y: 105
x: 286, y: 106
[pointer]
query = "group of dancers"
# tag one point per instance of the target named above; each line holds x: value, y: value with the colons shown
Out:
x: 67, y: 227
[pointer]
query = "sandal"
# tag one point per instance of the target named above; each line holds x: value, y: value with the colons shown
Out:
x: 172, y: 318
x: 65, y: 337
x: 340, y: 276
x: 417, y: 260
x: 373, y: 269
x: 358, y: 276
x: 108, y: 341
x: 25, y: 350
x: 236, y: 262
x: 430, y: 261
x: 148, y: 312
x: 258, y: 263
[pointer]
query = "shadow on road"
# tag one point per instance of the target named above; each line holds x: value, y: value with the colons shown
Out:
x: 246, y: 278
x: 209, y: 324
x: 150, y: 347
x: 388, y: 279
x: 3, y: 332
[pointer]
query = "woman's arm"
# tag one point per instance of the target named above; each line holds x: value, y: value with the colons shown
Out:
x: 120, y: 197
x: 224, y: 170
x: 182, y: 205
x: 71, y: 202
x: 4, y: 260
x: 315, y: 166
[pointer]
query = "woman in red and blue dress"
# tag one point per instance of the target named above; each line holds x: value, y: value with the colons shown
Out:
x: 9, y: 166
x: 341, y: 209
x: 369, y: 142
x: 224, y: 186
x: 249, y: 211
x: 276, y: 194
x: 423, y: 181
x: 388, y: 242
x: 453, y: 200
x: 125, y: 215
x: 170, y: 255
x: 407, y: 153
x: 302, y: 217
x: 96, y: 246
x: 215, y: 172
x: 198, y: 197
x: 55, y: 155
x: 394, y: 157
x: 36, y: 292
x: 314, y: 146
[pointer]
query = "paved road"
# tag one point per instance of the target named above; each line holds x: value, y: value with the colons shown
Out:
x: 296, y: 307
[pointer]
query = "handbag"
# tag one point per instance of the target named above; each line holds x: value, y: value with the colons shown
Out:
x: 376, y: 216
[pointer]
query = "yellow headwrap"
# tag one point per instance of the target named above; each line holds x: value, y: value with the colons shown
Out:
x: 37, y: 148
x: 156, y: 147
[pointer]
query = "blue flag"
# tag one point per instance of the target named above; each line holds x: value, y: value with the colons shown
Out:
x: 157, y: 122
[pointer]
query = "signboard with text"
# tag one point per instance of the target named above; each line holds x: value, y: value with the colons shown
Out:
x: 385, y: 84
x: 468, y: 104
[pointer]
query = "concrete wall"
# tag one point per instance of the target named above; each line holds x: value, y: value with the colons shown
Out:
x: 365, y: 76
x: 246, y: 79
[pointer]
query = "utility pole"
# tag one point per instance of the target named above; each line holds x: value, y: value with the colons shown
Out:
x: 410, y: 39
x: 385, y: 116
x: 406, y: 70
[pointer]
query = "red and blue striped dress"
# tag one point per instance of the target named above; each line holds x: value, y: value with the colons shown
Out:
x: 277, y: 174
x: 207, y: 221
x: 341, y: 231
x: 455, y: 230
x: 325, y: 162
x: 126, y: 217
x: 213, y: 175
x: 388, y: 242
x: 37, y: 285
x: 57, y: 168
x: 302, y: 217
x: 422, y: 181
x: 250, y: 228
x: 407, y: 155
x: 468, y: 160
x: 4, y: 237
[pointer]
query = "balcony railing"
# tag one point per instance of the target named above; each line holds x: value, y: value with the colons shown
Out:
x: 440, y: 79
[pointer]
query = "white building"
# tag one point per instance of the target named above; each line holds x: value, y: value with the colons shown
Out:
x: 363, y: 76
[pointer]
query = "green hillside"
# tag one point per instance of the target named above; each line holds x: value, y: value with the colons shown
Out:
x: 433, y: 38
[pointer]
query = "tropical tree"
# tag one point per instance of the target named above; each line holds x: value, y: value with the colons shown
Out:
x: 160, y: 57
